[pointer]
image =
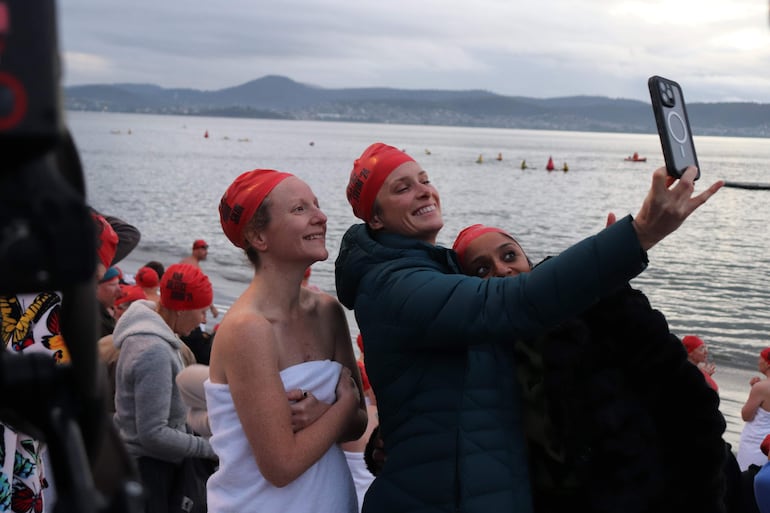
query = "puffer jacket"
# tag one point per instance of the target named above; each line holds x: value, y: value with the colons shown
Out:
x: 438, y: 354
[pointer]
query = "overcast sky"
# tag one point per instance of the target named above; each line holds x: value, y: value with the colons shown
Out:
x: 717, y: 50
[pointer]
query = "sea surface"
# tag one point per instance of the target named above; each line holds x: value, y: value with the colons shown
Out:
x: 710, y: 278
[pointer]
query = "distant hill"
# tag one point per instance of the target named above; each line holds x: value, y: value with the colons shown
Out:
x: 278, y: 97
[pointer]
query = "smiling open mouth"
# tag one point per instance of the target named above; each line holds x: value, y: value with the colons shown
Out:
x: 424, y: 210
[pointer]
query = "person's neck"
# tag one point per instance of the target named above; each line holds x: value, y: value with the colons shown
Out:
x: 425, y: 239
x: 169, y: 316
x: 277, y: 288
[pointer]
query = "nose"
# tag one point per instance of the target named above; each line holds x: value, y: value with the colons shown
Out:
x: 424, y: 190
x: 502, y: 270
x: 319, y: 216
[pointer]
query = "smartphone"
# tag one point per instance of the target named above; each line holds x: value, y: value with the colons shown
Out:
x: 673, y: 125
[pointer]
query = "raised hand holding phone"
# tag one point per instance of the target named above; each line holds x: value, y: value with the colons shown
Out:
x: 673, y: 126
x: 668, y: 203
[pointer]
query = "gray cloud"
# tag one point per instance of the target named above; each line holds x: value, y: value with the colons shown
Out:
x: 718, y: 50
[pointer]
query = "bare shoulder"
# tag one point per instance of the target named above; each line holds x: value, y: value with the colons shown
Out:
x: 240, y: 326
x: 328, y: 304
x: 243, y: 335
x: 762, y: 387
x: 244, y: 342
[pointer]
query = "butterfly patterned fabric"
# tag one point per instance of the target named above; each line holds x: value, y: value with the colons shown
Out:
x: 28, y: 323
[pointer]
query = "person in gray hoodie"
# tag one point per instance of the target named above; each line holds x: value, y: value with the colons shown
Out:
x: 149, y: 411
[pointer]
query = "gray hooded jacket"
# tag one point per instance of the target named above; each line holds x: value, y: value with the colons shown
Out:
x: 149, y: 412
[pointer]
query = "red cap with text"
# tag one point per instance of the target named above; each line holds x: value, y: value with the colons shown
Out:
x: 185, y: 287
x: 369, y: 173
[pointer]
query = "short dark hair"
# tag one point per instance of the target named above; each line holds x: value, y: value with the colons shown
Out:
x: 157, y: 266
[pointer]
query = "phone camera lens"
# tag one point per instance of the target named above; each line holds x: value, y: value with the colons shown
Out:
x: 667, y: 95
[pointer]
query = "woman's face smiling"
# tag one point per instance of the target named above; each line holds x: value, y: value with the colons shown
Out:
x: 494, y: 254
x: 297, y: 229
x: 408, y: 204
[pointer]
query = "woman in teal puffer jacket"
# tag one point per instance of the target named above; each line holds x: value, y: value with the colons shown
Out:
x: 437, y: 343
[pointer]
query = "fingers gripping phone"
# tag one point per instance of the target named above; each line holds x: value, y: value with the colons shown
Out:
x: 673, y: 125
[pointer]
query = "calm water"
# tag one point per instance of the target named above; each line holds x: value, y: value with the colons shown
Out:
x: 710, y: 278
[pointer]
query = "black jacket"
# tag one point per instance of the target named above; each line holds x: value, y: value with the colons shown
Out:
x: 617, y: 418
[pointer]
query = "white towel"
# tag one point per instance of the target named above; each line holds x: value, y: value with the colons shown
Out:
x: 752, y: 435
x: 239, y: 486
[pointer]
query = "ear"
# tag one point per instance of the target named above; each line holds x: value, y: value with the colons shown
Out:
x: 375, y: 223
x: 257, y: 240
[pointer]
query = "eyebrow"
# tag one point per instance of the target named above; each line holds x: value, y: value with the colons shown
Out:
x: 497, y: 248
x: 479, y: 259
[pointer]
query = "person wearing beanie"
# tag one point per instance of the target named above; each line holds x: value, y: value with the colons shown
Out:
x: 583, y: 410
x: 281, y: 340
x: 433, y: 336
x: 697, y: 354
x: 149, y: 412
x: 107, y: 292
x: 756, y: 415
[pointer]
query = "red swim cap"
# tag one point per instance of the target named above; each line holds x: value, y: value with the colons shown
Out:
x: 146, y: 277
x: 130, y: 293
x: 469, y: 234
x: 369, y: 172
x: 185, y: 287
x: 691, y: 343
x: 106, y: 240
x: 765, y: 354
x: 242, y: 199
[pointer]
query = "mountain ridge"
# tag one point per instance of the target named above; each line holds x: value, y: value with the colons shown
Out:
x: 278, y: 97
